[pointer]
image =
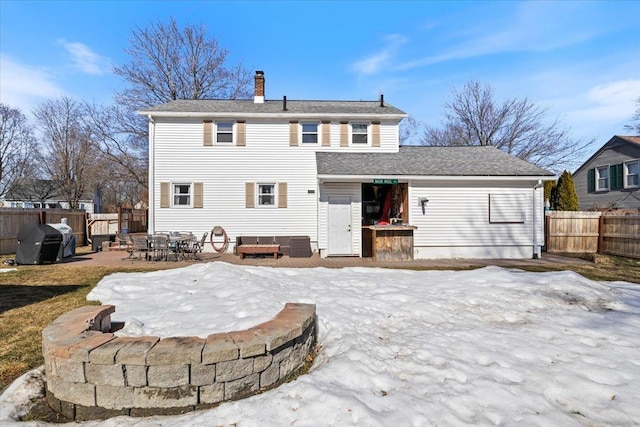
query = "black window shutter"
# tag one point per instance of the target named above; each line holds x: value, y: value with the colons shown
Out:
x: 591, y: 180
x: 616, y: 177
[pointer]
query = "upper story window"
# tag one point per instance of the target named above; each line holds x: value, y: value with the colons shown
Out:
x: 309, y: 133
x: 359, y: 133
x: 602, y: 178
x: 181, y: 194
x: 224, y: 132
x: 267, y: 195
x: 632, y: 174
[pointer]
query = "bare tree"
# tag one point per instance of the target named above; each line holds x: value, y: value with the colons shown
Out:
x: 17, y: 148
x: 119, y: 142
x: 516, y: 126
x: 634, y: 126
x: 410, y: 130
x: 168, y: 63
x: 68, y: 156
x: 165, y: 63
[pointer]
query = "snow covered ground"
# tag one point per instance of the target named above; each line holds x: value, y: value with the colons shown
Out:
x: 403, y: 348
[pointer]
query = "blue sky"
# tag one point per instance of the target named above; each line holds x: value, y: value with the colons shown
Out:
x: 579, y: 59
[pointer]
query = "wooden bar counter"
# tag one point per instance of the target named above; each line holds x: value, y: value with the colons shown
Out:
x: 388, y: 242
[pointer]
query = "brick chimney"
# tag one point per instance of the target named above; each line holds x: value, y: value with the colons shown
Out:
x: 259, y: 88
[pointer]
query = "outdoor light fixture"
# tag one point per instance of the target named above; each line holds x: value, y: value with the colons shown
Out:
x: 423, y: 202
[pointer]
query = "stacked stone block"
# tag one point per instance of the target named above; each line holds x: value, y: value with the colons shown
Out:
x: 91, y: 373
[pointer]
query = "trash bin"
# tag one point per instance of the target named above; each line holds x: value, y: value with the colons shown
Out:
x: 38, y: 244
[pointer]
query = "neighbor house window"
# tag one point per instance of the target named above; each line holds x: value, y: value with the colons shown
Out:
x: 602, y: 178
x: 266, y: 194
x: 224, y: 132
x: 632, y: 174
x: 309, y: 133
x: 359, y: 133
x: 181, y: 194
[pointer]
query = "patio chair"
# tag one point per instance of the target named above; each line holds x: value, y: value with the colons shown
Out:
x: 196, y: 246
x: 160, y: 247
x: 124, y: 239
x: 140, y: 246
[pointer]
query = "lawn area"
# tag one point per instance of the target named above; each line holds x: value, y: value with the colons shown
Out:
x: 33, y: 296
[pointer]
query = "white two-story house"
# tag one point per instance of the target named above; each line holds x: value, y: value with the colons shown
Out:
x: 335, y: 171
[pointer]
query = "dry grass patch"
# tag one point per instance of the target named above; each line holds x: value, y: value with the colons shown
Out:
x: 30, y: 299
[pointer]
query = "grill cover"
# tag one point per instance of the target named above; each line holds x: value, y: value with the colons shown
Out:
x: 37, y: 244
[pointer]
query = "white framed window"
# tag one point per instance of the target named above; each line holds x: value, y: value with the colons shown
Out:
x: 309, y: 133
x: 360, y: 133
x: 182, y: 195
x: 224, y: 132
x: 632, y: 174
x: 602, y: 178
x: 267, y: 195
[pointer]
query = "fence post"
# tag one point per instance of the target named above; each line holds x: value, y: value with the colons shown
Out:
x: 547, y: 225
x: 600, y: 233
x: 43, y: 217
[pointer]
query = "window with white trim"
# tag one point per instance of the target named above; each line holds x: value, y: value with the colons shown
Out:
x: 309, y: 133
x: 182, y: 195
x: 267, y: 195
x: 602, y: 178
x: 224, y: 132
x: 632, y: 174
x: 359, y: 133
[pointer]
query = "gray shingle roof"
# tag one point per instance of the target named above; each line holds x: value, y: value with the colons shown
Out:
x: 428, y: 161
x: 294, y: 107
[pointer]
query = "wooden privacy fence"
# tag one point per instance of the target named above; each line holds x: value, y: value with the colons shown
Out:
x: 11, y: 219
x: 593, y: 232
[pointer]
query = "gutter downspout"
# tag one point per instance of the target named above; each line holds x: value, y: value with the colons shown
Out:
x: 537, y: 253
x: 151, y: 179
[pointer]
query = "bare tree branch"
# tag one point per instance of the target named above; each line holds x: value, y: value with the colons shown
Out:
x: 634, y: 126
x: 516, y: 126
x: 68, y: 155
x: 17, y: 148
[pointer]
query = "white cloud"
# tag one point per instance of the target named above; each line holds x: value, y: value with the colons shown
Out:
x: 517, y: 32
x: 23, y: 86
x: 377, y: 61
x: 84, y: 58
x: 609, y: 103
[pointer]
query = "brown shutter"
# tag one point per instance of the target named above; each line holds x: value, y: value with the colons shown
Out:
x: 164, y: 194
x: 197, y: 195
x: 249, y: 193
x: 326, y: 134
x: 208, y: 132
x: 241, y: 133
x: 344, y: 134
x: 375, y: 134
x: 282, y: 194
x: 293, y: 133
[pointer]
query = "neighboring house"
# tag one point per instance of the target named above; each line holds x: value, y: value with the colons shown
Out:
x: 331, y: 170
x: 610, y: 179
x: 39, y: 194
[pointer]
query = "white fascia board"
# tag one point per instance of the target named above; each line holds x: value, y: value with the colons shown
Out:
x: 407, y: 178
x: 272, y: 115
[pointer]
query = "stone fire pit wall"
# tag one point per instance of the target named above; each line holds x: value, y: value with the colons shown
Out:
x: 93, y: 374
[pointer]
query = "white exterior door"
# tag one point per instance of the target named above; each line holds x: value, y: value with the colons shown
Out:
x: 340, y: 242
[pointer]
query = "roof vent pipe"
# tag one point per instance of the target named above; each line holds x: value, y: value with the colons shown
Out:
x: 284, y: 103
x: 382, y: 100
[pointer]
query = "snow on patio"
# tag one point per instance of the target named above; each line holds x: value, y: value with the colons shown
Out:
x: 489, y: 347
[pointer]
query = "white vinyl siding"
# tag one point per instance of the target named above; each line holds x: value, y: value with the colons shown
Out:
x: 225, y: 169
x: 456, y: 222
